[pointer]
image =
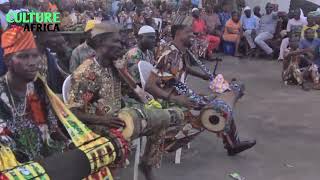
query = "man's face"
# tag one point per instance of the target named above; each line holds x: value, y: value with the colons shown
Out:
x: 256, y: 10
x: 296, y: 14
x: 186, y: 36
x: 111, y: 48
x: 57, y: 43
x: 269, y: 8
x: 148, y: 40
x: 5, y: 7
x: 309, y: 34
x: 227, y: 8
x: 247, y: 13
x: 91, y: 5
x: 196, y: 14
x: 25, y: 64
x: 294, y: 44
x: 311, y: 21
x: 235, y: 17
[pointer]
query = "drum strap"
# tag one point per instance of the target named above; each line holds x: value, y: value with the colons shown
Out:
x: 99, y: 150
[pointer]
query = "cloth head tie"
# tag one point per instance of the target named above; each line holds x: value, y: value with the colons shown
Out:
x: 16, y: 39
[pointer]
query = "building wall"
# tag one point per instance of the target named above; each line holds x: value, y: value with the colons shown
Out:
x: 306, y: 6
x: 283, y: 4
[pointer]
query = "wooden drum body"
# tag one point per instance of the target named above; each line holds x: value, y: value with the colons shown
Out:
x: 133, y: 122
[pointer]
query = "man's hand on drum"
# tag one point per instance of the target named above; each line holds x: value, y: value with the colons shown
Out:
x: 184, y: 101
x: 143, y: 95
x: 111, y: 122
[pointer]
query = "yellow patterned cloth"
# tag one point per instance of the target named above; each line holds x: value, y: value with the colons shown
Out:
x: 100, y: 151
x: 10, y: 168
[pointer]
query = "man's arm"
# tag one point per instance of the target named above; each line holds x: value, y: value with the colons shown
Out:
x: 299, y: 52
x: 152, y: 86
x: 289, y: 26
x: 191, y: 70
x: 107, y: 120
x: 74, y: 61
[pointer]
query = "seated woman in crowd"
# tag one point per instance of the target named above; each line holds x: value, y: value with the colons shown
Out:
x: 233, y: 32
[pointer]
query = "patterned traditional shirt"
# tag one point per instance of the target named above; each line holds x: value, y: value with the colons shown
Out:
x: 199, y: 47
x: 95, y: 90
x: 133, y: 57
x: 26, y: 125
x: 171, y: 64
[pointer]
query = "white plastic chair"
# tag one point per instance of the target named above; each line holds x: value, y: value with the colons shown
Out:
x: 158, y: 22
x: 66, y: 88
x: 145, y: 68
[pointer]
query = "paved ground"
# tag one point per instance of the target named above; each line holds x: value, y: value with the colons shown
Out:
x: 283, y: 119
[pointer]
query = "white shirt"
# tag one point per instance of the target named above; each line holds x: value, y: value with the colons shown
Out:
x: 4, y: 23
x: 293, y: 22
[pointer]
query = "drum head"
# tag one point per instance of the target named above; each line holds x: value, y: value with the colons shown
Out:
x: 128, y: 131
x: 212, y: 121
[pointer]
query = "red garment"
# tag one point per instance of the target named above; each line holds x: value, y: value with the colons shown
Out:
x: 199, y: 26
x: 214, y: 42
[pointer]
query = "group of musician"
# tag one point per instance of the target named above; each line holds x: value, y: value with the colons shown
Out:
x: 78, y: 110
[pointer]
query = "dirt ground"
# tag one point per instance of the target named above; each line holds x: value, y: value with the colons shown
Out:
x: 283, y: 119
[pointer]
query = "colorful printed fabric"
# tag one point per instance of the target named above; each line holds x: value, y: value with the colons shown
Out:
x: 95, y: 90
x: 294, y: 73
x: 219, y: 84
x: 199, y: 47
x: 133, y: 57
x: 171, y: 61
x: 26, y: 126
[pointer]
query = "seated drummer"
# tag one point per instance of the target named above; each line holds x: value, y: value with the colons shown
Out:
x: 28, y: 124
x: 172, y: 68
x: 298, y: 65
x: 142, y: 52
x: 96, y: 94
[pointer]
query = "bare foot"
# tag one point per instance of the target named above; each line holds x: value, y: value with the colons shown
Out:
x: 147, y: 171
x: 316, y: 86
x: 238, y: 55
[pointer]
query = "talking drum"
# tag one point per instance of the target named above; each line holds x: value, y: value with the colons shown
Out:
x: 215, y: 115
x: 133, y: 123
x: 138, y: 122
